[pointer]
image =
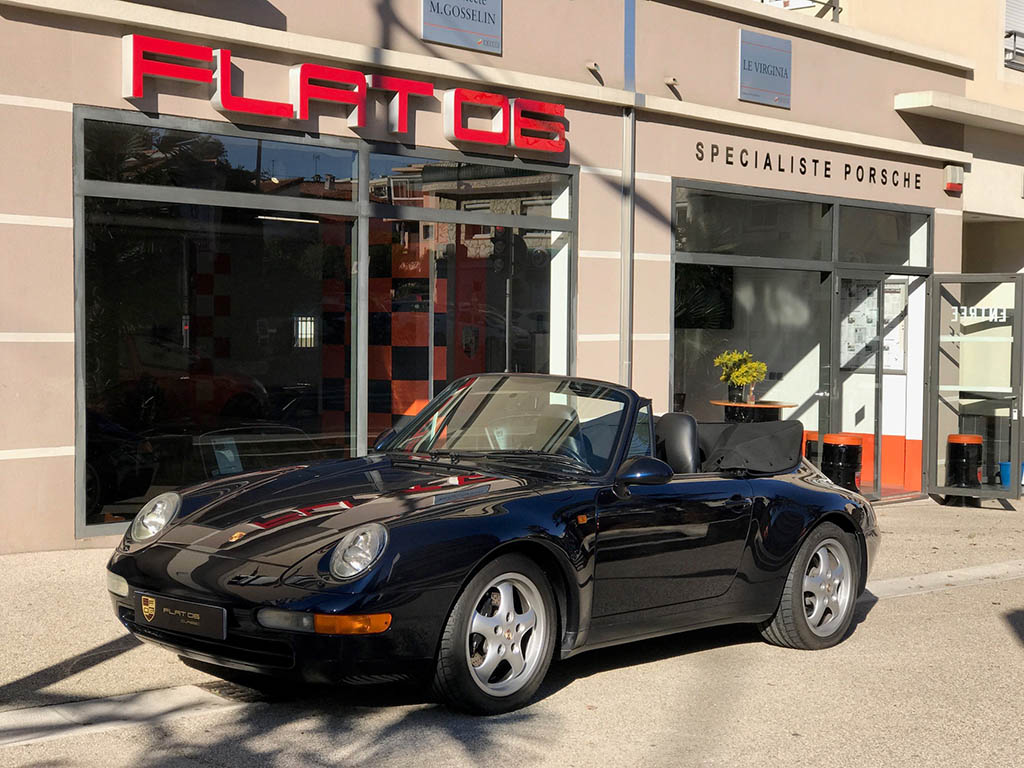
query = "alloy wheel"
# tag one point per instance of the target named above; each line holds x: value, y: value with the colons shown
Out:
x: 505, y: 634
x: 827, y: 588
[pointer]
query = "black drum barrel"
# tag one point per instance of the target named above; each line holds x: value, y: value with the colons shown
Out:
x: 841, y: 457
x: 963, y: 461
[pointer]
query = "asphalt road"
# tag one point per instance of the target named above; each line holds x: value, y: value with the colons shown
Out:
x: 924, y: 679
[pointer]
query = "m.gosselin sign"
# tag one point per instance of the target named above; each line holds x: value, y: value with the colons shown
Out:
x: 473, y: 24
x: 773, y: 161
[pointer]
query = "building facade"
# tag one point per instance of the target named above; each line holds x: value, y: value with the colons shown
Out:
x: 265, y: 237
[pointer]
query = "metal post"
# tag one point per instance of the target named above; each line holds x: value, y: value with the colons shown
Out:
x: 628, y: 201
x: 360, y: 340
x: 626, y: 249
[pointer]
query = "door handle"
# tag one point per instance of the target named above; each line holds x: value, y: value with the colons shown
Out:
x: 738, y: 504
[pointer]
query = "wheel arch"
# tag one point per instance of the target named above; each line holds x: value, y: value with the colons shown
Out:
x: 560, y: 574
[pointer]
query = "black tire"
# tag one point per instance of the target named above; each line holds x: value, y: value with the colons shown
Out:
x: 791, y: 627
x: 454, y: 682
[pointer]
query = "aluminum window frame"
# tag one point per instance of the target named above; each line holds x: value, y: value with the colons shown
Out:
x: 836, y: 270
x: 361, y: 210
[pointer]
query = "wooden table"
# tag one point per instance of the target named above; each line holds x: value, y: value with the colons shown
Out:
x: 762, y: 410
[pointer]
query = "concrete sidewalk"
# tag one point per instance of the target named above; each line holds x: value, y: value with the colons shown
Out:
x: 61, y: 642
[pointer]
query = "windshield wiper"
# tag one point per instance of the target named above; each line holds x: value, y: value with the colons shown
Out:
x: 434, y: 456
x: 566, y: 462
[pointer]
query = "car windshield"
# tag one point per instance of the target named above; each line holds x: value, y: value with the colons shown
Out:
x: 508, y: 416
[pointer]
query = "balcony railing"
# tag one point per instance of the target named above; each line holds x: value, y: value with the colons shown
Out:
x: 824, y: 6
x: 1013, y: 49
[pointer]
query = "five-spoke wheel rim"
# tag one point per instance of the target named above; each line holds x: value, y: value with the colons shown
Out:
x: 827, y: 587
x: 505, y: 638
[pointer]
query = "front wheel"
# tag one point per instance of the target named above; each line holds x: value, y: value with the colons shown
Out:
x: 497, y: 644
x: 817, y: 604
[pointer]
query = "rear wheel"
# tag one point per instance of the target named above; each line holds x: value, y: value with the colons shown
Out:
x: 817, y: 604
x: 497, y: 644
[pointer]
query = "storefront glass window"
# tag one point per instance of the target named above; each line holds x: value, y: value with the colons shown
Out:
x: 217, y: 341
x: 136, y: 154
x: 745, y: 225
x: 887, y: 238
x: 221, y: 337
x: 448, y: 300
x: 780, y: 316
x: 457, y: 186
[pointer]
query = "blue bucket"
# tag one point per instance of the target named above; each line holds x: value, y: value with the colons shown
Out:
x: 1004, y: 473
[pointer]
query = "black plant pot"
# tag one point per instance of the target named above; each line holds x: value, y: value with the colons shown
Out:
x: 735, y: 393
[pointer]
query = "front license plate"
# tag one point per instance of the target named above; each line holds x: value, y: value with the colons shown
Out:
x: 180, y: 615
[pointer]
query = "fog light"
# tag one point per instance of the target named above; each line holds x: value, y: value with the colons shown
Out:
x: 292, y: 621
x: 117, y: 584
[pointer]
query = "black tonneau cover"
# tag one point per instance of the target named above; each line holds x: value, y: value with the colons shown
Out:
x: 766, y: 448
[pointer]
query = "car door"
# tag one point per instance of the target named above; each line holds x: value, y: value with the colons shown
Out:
x: 665, y: 545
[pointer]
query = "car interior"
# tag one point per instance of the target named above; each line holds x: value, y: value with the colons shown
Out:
x: 690, y: 447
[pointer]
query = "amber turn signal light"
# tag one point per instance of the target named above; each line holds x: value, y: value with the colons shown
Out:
x: 366, y: 624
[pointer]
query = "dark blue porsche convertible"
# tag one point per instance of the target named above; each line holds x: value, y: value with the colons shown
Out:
x: 517, y: 518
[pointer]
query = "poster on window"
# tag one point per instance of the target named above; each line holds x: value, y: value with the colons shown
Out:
x: 894, y: 346
x: 859, y: 329
x: 858, y: 334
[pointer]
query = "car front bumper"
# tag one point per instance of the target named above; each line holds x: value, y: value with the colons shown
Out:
x: 407, y: 648
x: 308, y: 657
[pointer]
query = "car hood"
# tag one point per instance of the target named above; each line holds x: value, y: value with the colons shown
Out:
x: 280, y: 516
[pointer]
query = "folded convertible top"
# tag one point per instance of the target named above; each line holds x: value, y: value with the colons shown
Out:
x: 766, y: 448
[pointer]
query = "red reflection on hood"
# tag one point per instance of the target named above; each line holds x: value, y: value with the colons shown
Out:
x: 459, y: 480
x: 297, y: 514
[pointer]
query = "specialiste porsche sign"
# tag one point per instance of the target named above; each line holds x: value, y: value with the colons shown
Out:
x: 524, y: 124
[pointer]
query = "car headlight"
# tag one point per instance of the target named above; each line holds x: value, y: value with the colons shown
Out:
x: 358, y: 550
x: 155, y: 516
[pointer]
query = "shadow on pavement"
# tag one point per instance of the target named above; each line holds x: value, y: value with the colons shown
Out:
x: 1016, y: 621
x: 27, y: 690
x: 863, y: 607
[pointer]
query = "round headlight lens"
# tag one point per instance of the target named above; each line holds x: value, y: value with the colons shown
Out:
x: 155, y: 516
x: 358, y: 550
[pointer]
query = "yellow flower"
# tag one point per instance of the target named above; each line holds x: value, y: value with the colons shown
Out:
x: 733, y: 362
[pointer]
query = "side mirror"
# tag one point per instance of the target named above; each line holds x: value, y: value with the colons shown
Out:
x: 643, y: 470
x: 383, y: 438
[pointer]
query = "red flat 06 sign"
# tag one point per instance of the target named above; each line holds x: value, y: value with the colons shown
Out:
x: 525, y: 124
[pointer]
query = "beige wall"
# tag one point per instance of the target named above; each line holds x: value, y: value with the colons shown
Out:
x: 833, y: 84
x: 52, y: 63
x: 994, y: 184
x: 540, y: 36
x: 994, y: 247
x: 971, y: 28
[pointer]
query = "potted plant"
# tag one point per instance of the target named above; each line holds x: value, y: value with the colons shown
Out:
x: 740, y: 369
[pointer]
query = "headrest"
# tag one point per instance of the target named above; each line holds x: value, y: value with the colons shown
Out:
x: 676, y: 435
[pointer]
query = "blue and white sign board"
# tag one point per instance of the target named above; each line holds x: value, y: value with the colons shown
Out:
x: 765, y: 69
x: 473, y: 24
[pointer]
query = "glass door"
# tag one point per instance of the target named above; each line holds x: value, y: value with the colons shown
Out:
x: 974, y: 386
x: 856, y: 404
